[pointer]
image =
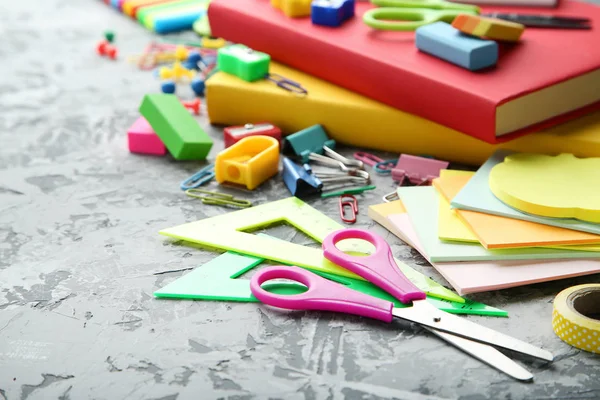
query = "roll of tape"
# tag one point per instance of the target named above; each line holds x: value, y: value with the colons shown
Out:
x: 576, y: 317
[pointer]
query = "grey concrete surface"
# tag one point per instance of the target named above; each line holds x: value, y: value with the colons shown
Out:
x: 80, y: 257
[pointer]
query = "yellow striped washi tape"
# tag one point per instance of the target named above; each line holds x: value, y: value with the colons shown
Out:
x: 576, y: 317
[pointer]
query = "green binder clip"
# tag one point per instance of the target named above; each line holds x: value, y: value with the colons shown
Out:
x: 307, y: 141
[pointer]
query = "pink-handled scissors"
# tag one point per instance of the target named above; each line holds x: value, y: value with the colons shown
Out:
x: 380, y: 269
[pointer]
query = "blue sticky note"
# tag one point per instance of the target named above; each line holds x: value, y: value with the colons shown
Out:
x: 331, y: 12
x: 448, y: 43
x: 477, y: 196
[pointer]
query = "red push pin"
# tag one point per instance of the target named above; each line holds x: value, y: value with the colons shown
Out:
x: 193, y: 105
x: 104, y: 48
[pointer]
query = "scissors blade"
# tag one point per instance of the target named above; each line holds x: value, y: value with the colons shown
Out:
x: 487, y: 354
x: 424, y: 313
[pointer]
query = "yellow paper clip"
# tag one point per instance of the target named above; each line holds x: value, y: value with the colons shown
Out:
x: 218, y: 199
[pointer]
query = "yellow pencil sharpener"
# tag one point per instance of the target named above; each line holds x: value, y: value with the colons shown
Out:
x: 293, y: 8
x: 249, y: 162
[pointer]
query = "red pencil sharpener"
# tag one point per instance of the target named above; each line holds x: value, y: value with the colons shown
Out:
x: 233, y: 134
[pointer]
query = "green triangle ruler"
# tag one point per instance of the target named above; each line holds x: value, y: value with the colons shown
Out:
x: 226, y: 232
x: 217, y: 280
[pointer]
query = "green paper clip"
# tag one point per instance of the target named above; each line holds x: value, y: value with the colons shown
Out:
x: 357, y: 190
x: 218, y: 199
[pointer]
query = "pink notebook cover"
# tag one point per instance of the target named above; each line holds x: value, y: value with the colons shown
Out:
x: 476, y: 277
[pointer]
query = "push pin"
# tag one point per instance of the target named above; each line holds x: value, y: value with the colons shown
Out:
x: 193, y: 105
x: 104, y: 48
x: 176, y: 73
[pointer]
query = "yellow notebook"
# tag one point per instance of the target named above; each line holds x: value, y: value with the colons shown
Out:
x: 358, y: 121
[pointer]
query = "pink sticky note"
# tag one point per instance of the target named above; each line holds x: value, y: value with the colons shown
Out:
x: 142, y: 139
x: 483, y: 276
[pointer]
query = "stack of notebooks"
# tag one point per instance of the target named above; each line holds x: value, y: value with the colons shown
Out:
x: 375, y: 90
x: 162, y: 16
x: 480, y: 243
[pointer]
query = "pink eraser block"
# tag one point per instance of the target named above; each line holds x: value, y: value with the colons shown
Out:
x: 142, y: 139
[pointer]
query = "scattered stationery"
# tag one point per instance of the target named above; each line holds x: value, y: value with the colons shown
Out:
x: 347, y: 116
x: 380, y: 269
x: 220, y: 279
x: 227, y: 232
x: 538, y: 84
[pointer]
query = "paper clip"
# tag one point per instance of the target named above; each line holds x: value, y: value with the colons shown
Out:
x: 348, y: 200
x: 346, y: 161
x: 393, y: 196
x: 385, y: 167
x: 218, y: 199
x: 367, y: 158
x: 199, y: 178
x: 357, y: 190
x: 286, y: 83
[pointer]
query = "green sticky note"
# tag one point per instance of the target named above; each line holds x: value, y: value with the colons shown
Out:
x: 216, y: 280
x: 243, y: 62
x: 178, y: 130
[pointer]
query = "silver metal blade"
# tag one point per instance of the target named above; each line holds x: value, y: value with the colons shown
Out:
x: 487, y: 354
x: 425, y: 314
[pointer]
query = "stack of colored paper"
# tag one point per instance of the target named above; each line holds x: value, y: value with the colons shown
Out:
x: 480, y: 243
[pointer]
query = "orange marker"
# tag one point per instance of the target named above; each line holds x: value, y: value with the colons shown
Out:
x: 489, y: 28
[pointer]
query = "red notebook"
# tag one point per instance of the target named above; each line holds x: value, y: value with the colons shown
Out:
x: 550, y: 76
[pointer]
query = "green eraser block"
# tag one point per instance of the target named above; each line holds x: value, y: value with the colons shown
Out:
x: 243, y: 62
x: 178, y: 130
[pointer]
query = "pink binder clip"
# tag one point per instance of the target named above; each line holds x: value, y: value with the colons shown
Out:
x: 418, y: 170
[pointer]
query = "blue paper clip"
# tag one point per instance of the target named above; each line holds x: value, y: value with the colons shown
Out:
x: 299, y: 180
x: 286, y: 83
x: 385, y: 167
x: 201, y: 177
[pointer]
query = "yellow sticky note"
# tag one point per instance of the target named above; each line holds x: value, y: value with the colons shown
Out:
x: 450, y: 226
x: 495, y: 232
x: 562, y: 186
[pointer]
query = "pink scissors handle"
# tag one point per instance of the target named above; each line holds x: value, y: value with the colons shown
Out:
x: 378, y: 268
x: 322, y: 294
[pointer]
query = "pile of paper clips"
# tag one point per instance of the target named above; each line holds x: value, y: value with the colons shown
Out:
x: 202, y: 177
x: 340, y: 172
